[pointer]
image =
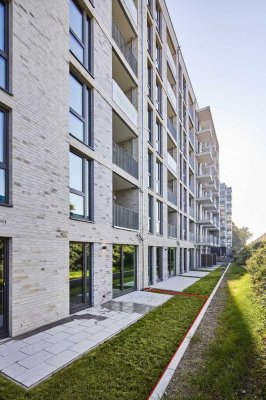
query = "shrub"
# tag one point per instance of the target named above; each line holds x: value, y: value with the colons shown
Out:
x: 256, y: 266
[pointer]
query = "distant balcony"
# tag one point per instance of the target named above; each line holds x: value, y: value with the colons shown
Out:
x: 172, y: 197
x: 205, y: 198
x: 124, y: 48
x: 191, y: 212
x: 206, y: 222
x: 191, y: 236
x: 191, y: 162
x: 171, y: 94
x: 191, y: 137
x: 132, y: 11
x: 124, y: 160
x: 124, y: 104
x: 204, y: 156
x: 125, y: 218
x: 171, y: 61
x: 204, y: 134
x: 171, y: 162
x: 172, y: 231
x: 171, y: 128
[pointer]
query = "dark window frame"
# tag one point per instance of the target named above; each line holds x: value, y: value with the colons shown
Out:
x: 150, y: 214
x: 159, y: 58
x: 87, y: 299
x: 87, y: 43
x: 158, y: 98
x: 150, y: 81
x: 122, y: 277
x: 5, y: 164
x: 87, y: 111
x: 150, y: 125
x: 5, y: 53
x: 159, y: 177
x: 159, y: 144
x: 158, y: 19
x: 160, y: 219
x: 150, y: 170
x: 149, y: 38
x: 87, y: 188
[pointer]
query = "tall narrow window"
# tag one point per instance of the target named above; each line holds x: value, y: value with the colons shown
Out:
x: 80, y: 34
x: 158, y: 97
x: 149, y: 70
x: 158, y: 19
x: 150, y: 170
x: 80, y: 186
x: 3, y: 158
x: 150, y: 214
x: 80, y: 111
x: 4, y: 45
x: 159, y: 175
x: 149, y: 38
x: 158, y: 58
x: 158, y: 137
x: 159, y: 214
x: 150, y: 125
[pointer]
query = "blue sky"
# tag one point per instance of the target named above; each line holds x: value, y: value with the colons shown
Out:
x: 224, y: 46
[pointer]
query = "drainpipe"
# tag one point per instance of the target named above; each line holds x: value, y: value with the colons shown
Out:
x: 142, y: 136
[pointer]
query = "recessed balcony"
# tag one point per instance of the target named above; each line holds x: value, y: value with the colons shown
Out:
x: 205, y: 198
x: 125, y: 105
x: 132, y: 11
x: 171, y: 163
x: 172, y: 231
x: 204, y: 135
x: 171, y: 94
x: 124, y: 160
x: 171, y: 128
x: 204, y: 157
x: 171, y: 61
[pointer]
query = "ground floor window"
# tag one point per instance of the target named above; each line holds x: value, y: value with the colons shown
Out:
x: 159, y: 263
x: 124, y: 268
x: 80, y: 274
x: 3, y: 286
x: 171, y: 261
x: 150, y: 265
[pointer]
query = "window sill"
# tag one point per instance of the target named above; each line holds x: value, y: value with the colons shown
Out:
x: 6, y: 91
x: 81, y: 219
x: 10, y: 205
x: 89, y: 71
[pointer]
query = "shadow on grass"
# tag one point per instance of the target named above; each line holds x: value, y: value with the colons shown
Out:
x: 232, y: 368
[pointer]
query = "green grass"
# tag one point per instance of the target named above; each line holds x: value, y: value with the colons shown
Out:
x: 233, y: 367
x: 125, y: 367
x: 205, y: 286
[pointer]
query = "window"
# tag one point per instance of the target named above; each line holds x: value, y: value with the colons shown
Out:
x: 159, y: 175
x: 158, y: 19
x: 159, y: 214
x: 3, y: 287
x: 158, y: 58
x: 158, y: 137
x: 4, y: 45
x: 150, y: 175
x: 150, y: 214
x: 158, y: 97
x: 149, y: 81
x: 80, y: 187
x: 150, y: 265
x: 149, y: 38
x: 80, y: 111
x: 3, y: 158
x: 124, y: 268
x: 79, y: 274
x: 80, y: 34
x: 150, y: 125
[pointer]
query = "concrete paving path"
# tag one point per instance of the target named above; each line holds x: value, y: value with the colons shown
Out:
x: 35, y: 356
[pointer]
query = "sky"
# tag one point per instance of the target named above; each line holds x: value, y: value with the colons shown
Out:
x: 223, y: 43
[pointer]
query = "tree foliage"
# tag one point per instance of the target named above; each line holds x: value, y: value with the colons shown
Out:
x: 256, y: 266
x: 240, y: 237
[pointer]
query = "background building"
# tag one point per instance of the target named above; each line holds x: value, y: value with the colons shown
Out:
x: 109, y: 171
x: 225, y: 220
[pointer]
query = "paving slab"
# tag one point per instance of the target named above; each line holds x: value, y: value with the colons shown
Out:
x: 146, y: 298
x: 177, y: 283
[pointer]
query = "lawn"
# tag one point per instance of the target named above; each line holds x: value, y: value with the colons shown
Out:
x: 233, y: 367
x: 127, y: 366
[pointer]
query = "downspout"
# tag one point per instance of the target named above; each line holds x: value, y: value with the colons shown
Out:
x: 142, y: 137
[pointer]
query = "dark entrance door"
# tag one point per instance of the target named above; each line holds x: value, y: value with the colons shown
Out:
x: 79, y: 275
x: 3, y: 287
x: 171, y: 261
x: 124, y: 268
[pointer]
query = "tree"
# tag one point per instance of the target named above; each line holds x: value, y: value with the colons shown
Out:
x: 240, y: 237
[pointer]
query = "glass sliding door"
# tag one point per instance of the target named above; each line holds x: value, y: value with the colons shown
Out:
x: 124, y: 268
x: 79, y: 275
x: 171, y: 261
x: 3, y: 287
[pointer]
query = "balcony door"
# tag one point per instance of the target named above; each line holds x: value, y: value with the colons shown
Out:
x: 159, y: 264
x: 124, y: 268
x: 3, y: 288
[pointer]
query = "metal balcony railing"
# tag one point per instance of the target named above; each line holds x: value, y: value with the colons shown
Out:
x: 172, y: 231
x: 125, y: 218
x: 122, y: 159
x: 171, y: 128
x: 124, y: 47
x: 172, y: 196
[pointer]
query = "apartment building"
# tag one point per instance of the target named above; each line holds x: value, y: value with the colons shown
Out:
x: 109, y: 171
x: 226, y: 244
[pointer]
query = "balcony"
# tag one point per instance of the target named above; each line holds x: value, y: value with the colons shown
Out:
x: 191, y: 162
x: 171, y: 162
x: 124, y: 48
x: 204, y: 156
x: 172, y: 197
x: 205, y: 198
x: 191, y: 137
x: 171, y: 94
x: 124, y: 160
x: 206, y: 222
x: 191, y: 212
x: 204, y: 135
x: 132, y: 11
x: 172, y: 231
x: 125, y: 218
x: 171, y: 128
x: 191, y: 237
x: 124, y: 104
x: 171, y: 61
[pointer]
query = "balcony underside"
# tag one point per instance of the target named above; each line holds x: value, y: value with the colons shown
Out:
x: 204, y: 157
x: 204, y: 135
x: 205, y: 179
